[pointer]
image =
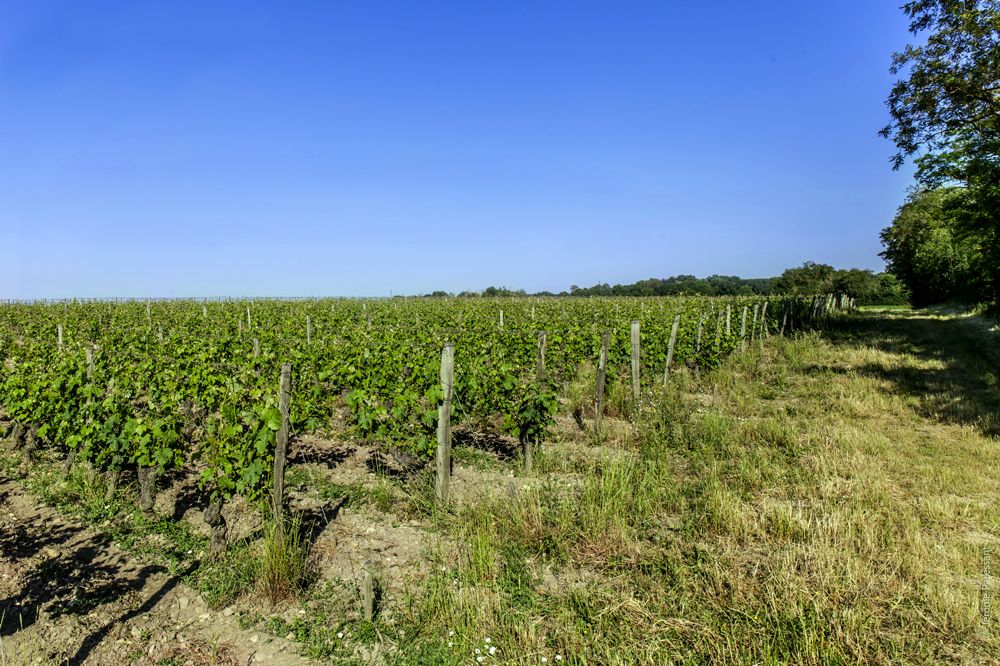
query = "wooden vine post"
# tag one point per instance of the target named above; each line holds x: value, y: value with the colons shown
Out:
x: 71, y: 456
x: 281, y: 448
x: 309, y: 336
x: 697, y: 345
x: 729, y: 315
x: 540, y: 358
x: 368, y: 591
x: 743, y: 330
x: 441, y: 485
x: 670, y: 347
x: 59, y: 335
x: 634, y: 339
x: 602, y: 375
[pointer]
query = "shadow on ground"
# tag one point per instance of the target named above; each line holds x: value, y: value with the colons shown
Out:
x: 962, y: 389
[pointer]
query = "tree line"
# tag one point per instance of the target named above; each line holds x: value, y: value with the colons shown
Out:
x: 867, y: 287
x: 944, y: 243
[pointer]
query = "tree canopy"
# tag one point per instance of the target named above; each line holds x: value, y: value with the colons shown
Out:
x: 946, y: 110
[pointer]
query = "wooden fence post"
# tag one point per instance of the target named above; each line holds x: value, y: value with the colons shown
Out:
x: 634, y: 339
x: 670, y: 347
x: 602, y: 374
x: 444, y: 424
x: 281, y: 447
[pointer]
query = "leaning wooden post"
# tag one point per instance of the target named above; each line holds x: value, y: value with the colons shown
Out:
x: 670, y: 347
x: 743, y: 330
x: 540, y: 358
x: 763, y: 321
x: 635, y: 360
x: 444, y: 424
x: 784, y: 318
x: 753, y: 326
x: 602, y: 374
x: 281, y: 447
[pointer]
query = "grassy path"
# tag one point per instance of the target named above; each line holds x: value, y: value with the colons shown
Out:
x: 854, y: 506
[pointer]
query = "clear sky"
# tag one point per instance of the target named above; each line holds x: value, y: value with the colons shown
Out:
x: 367, y: 148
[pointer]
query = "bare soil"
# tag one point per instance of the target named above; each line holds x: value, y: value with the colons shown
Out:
x: 69, y: 596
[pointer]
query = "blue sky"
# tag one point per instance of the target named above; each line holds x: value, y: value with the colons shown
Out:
x: 369, y: 148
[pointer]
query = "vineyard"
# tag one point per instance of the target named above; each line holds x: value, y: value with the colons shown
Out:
x: 156, y: 385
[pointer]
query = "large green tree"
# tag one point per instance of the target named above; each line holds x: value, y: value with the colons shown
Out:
x: 928, y: 249
x: 945, y: 110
